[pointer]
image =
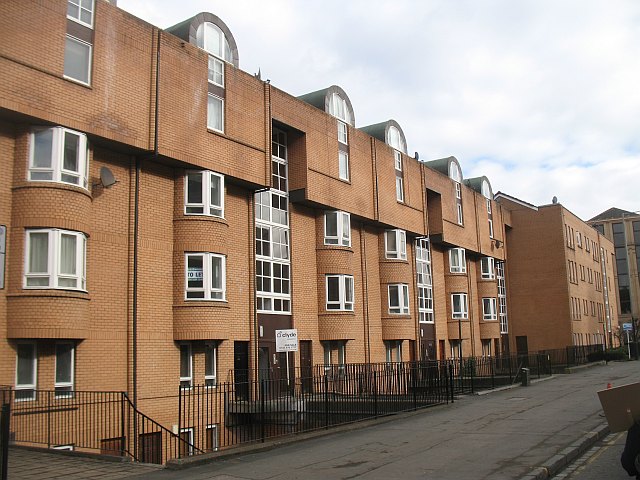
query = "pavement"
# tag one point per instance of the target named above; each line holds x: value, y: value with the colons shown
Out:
x: 520, y: 433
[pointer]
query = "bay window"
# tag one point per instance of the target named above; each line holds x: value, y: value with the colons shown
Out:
x: 399, y: 299
x: 58, y: 155
x: 457, y: 260
x: 395, y: 243
x: 204, y: 193
x: 205, y: 276
x: 459, y: 309
x: 339, y: 293
x: 337, y: 228
x: 55, y: 259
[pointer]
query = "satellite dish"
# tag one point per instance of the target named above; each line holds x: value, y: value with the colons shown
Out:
x: 554, y: 200
x: 106, y: 177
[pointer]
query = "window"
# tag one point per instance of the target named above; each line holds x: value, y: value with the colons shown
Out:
x: 343, y: 165
x: 26, y: 372
x: 459, y: 213
x: 335, y: 351
x: 77, y: 60
x: 456, y: 348
x: 393, y: 351
x: 489, y: 309
x: 272, y: 207
x: 211, y: 38
x: 204, y: 194
x: 339, y: 293
x: 457, y: 261
x: 186, y: 442
x: 338, y: 108
x: 186, y: 365
x: 210, y: 364
x: 58, y: 155
x: 579, y: 239
x: 459, y: 305
x: 486, y: 348
x: 490, y: 228
x: 395, y: 244
x: 424, y: 281
x: 212, y: 438
x: 215, y: 113
x: 395, y: 140
x: 205, y: 276
x: 399, y: 299
x: 343, y: 133
x: 216, y: 72
x: 399, y: 179
x: 487, y: 268
x: 64, y: 370
x: 55, y: 259
x: 337, y: 228
x: 81, y: 11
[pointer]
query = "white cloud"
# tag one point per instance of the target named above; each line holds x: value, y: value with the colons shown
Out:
x: 539, y: 95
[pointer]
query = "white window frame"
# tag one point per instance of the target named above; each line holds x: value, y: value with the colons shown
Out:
x: 393, y: 348
x: 208, y: 206
x: 56, y: 170
x: 23, y: 388
x: 81, y: 5
x: 490, y: 228
x: 457, y: 260
x: 343, y: 165
x: 343, y: 233
x: 488, y: 206
x: 207, y: 29
x: 399, y: 178
x: 211, y: 120
x: 215, y: 436
x: 424, y: 281
x: 399, y: 293
x: 208, y: 290
x: 459, y: 214
x: 215, y: 71
x: 400, y: 251
x: 338, y: 108
x: 463, y: 312
x: 489, y: 309
x: 486, y: 347
x: 54, y: 276
x: 345, y: 290
x: 89, y: 54
x: 65, y: 389
x: 186, y: 381
x: 211, y: 354
x: 343, y: 133
x: 189, y: 439
x: 488, y: 268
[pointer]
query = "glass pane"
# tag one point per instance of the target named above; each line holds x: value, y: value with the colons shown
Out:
x: 185, y: 361
x: 25, y: 370
x: 331, y: 224
x: 68, y: 254
x: 77, y: 58
x: 195, y: 276
x: 210, y: 361
x: 391, y: 242
x: 216, y: 191
x: 394, y: 299
x: 214, y: 113
x: 333, y: 289
x: 194, y: 188
x: 38, y: 252
x: 64, y: 363
x: 216, y: 273
x: 71, y: 152
x: 42, y: 149
x: 348, y: 294
x: 346, y: 229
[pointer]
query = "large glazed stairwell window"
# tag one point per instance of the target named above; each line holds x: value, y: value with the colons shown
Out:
x: 273, y: 265
x: 456, y: 175
x: 339, y: 108
x: 79, y: 42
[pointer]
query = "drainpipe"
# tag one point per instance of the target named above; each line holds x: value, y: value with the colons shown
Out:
x: 365, y: 293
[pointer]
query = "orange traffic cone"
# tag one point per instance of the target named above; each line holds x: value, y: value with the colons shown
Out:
x: 609, y: 385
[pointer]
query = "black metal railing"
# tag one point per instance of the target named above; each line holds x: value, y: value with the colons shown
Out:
x: 5, y: 429
x: 97, y: 422
x: 571, y: 356
x: 216, y: 417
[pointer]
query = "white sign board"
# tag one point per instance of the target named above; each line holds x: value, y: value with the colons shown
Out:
x: 287, y: 340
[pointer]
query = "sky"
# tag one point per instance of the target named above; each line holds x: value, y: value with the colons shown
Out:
x: 541, y: 96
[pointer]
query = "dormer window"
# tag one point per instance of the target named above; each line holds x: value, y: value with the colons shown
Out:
x: 338, y: 108
x: 395, y: 140
x: 209, y: 37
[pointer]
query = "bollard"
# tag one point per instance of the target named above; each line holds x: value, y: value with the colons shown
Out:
x: 526, y: 379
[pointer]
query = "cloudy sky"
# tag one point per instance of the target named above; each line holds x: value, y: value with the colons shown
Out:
x: 541, y: 96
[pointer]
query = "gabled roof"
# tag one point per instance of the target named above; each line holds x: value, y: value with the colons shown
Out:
x: 515, y: 200
x: 613, y: 212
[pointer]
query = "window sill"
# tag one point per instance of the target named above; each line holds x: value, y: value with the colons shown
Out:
x: 51, y: 292
x: 78, y: 82
x: 54, y: 185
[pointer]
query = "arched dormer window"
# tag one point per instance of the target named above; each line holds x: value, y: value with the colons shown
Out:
x: 211, y: 38
x: 486, y: 190
x: 338, y: 108
x: 454, y: 172
x: 395, y: 140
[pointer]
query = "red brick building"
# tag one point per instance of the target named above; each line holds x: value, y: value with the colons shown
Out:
x: 166, y: 212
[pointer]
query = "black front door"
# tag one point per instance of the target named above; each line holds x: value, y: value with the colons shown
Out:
x: 241, y: 369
